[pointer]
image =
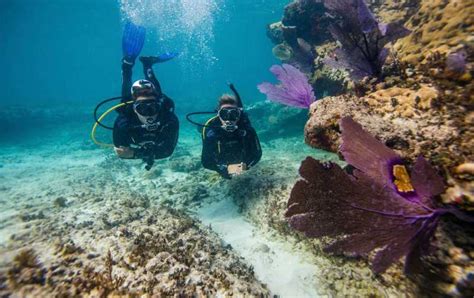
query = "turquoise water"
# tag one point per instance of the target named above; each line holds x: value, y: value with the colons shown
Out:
x: 68, y: 52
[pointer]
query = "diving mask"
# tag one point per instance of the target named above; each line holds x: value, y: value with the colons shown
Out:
x: 147, y: 112
x: 147, y: 108
x: 229, y: 114
x: 229, y: 117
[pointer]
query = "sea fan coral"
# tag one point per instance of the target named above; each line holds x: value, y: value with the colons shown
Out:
x: 293, y: 90
x: 379, y: 206
x: 362, y: 38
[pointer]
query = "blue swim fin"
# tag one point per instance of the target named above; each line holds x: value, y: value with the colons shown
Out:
x: 133, y: 39
x: 167, y: 56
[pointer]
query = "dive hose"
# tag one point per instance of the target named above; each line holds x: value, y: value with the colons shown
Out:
x: 99, y: 105
x: 102, y: 117
x: 188, y: 117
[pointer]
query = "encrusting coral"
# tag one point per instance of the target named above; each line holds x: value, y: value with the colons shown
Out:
x: 438, y: 26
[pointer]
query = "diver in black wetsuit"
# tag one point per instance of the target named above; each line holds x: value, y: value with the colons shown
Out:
x: 148, y: 128
x: 230, y: 143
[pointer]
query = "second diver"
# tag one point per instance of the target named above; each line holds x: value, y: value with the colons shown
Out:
x: 230, y: 143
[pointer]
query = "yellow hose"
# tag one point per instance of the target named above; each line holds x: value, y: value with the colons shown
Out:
x: 205, y: 126
x: 94, y: 128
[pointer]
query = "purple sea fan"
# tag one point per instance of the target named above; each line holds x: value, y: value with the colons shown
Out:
x: 378, y: 207
x: 293, y: 90
x: 362, y: 38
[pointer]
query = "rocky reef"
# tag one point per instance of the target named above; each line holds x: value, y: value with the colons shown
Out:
x: 420, y: 104
x: 173, y: 256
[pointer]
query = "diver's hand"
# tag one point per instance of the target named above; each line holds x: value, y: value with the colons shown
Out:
x: 222, y: 170
x: 124, y: 152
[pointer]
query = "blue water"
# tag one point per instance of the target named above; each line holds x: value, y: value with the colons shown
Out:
x: 68, y: 52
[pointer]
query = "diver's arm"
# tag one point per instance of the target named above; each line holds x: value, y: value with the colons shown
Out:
x: 150, y: 76
x: 209, y: 152
x: 168, y: 138
x: 122, y: 139
x: 253, y: 149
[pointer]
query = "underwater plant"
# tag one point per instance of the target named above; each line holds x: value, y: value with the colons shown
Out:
x: 376, y: 207
x: 362, y: 38
x: 293, y: 90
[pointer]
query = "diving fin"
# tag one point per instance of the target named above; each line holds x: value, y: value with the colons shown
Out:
x: 167, y: 56
x: 133, y: 39
x: 150, y: 60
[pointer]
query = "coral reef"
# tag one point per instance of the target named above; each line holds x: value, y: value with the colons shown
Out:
x: 298, y: 37
x: 394, y: 10
x: 421, y: 105
x: 174, y: 255
x: 309, y: 21
x: 438, y: 26
x: 362, y: 38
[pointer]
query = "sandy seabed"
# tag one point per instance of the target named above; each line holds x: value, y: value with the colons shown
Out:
x: 76, y: 220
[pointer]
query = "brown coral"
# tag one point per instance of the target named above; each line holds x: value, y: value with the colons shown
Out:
x: 438, y: 26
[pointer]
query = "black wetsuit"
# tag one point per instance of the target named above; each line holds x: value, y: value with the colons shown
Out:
x: 222, y: 148
x: 128, y: 129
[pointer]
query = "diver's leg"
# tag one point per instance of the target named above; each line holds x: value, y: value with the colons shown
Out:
x: 149, y: 73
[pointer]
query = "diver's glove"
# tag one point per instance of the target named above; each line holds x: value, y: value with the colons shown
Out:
x: 222, y: 170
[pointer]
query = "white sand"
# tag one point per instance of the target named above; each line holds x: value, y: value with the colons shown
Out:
x: 275, y: 263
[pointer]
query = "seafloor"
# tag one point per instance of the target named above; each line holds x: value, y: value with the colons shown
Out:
x: 76, y: 220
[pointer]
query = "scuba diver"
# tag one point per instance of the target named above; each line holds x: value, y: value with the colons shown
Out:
x: 147, y: 127
x: 230, y: 143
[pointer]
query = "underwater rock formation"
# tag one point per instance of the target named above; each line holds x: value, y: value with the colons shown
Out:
x: 174, y: 255
x: 423, y: 110
x: 304, y: 25
x: 423, y: 106
x: 309, y: 20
